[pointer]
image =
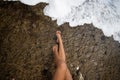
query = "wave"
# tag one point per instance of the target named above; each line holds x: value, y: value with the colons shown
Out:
x: 103, y: 14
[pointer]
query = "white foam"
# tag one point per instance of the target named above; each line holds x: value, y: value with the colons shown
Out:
x: 104, y: 14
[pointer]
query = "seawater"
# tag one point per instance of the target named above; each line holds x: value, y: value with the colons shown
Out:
x: 103, y: 14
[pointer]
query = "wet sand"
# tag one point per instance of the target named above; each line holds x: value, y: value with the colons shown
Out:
x: 27, y: 37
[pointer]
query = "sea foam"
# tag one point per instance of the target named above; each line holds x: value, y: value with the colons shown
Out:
x: 104, y: 14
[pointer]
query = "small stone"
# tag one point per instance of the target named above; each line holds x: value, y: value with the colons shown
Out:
x: 13, y: 78
x: 88, y: 56
x: 71, y: 65
x: 81, y: 77
x: 95, y: 63
x: 77, y: 68
x: 93, y: 60
x: 34, y: 26
x: 46, y: 68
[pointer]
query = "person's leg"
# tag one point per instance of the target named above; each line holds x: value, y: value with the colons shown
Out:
x: 62, y: 72
x: 68, y: 76
x: 62, y: 52
x: 61, y: 66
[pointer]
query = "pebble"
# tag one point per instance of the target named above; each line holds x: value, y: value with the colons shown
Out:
x: 93, y: 60
x: 88, y: 56
x: 34, y: 26
x: 77, y: 68
x: 81, y: 77
x: 71, y: 65
x: 95, y: 63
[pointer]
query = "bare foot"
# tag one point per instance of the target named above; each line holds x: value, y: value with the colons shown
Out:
x: 60, y: 46
x: 62, y: 72
x: 59, y: 54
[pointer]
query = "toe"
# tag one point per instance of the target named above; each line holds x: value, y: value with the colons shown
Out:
x: 55, y: 50
x: 58, y: 34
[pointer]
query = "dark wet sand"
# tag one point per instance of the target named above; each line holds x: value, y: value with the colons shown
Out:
x: 27, y: 37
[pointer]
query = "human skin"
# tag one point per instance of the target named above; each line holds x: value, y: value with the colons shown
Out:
x: 62, y: 72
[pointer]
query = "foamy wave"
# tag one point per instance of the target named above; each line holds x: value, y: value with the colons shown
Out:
x: 104, y: 14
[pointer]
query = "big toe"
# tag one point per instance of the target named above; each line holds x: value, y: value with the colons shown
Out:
x: 58, y: 34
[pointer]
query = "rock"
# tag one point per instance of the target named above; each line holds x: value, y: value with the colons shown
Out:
x: 95, y: 63
x: 77, y: 68
x: 80, y: 76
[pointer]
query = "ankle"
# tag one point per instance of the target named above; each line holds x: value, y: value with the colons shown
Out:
x: 62, y: 65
